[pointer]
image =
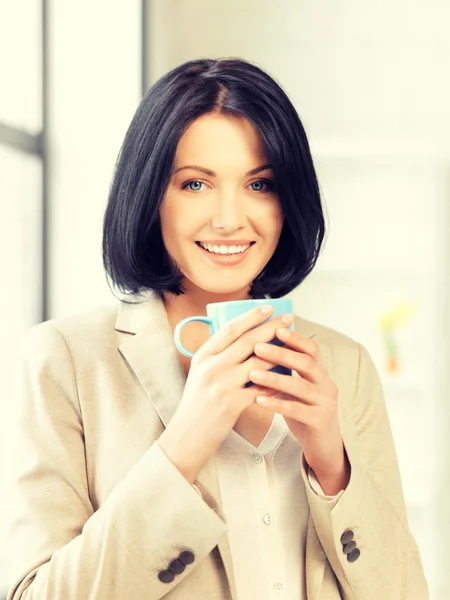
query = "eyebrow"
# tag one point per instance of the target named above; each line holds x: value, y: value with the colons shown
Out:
x: 212, y: 174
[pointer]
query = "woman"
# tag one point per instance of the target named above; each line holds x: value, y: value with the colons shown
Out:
x: 140, y: 474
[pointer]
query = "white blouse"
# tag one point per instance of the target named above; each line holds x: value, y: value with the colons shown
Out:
x: 267, y: 510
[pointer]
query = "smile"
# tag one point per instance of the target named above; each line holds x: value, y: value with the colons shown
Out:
x: 224, y: 249
x: 225, y: 255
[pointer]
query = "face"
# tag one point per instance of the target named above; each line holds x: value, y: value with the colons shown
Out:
x: 221, y: 196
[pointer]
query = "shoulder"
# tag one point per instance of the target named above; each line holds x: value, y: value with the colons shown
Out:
x: 336, y: 348
x: 346, y: 358
x: 85, y: 328
x: 324, y: 335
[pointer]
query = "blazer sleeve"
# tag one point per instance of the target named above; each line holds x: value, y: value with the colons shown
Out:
x: 389, y: 565
x: 61, y: 548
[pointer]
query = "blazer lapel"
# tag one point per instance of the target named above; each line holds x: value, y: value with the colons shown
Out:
x: 153, y: 356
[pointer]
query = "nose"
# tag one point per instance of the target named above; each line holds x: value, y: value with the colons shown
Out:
x: 229, y: 213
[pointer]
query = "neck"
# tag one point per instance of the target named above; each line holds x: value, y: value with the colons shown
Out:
x: 194, y: 301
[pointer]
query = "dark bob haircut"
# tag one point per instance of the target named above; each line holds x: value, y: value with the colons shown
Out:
x: 134, y: 255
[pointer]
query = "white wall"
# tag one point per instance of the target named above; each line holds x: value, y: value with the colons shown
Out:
x: 95, y: 50
x: 355, y: 70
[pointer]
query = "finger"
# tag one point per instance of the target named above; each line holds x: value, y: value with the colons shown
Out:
x: 297, y: 387
x: 304, y: 364
x: 292, y: 410
x: 248, y: 395
x: 243, y: 369
x: 243, y: 348
x: 233, y: 330
x: 295, y: 340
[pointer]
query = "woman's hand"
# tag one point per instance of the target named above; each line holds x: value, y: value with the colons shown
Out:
x: 308, y: 401
x: 215, y: 393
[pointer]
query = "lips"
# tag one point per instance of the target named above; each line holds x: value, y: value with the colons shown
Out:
x: 236, y: 245
x: 225, y: 259
x: 226, y: 243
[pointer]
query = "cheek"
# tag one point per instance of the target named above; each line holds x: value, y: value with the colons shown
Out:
x: 278, y: 217
x: 171, y: 216
x: 269, y: 221
x: 169, y: 223
x: 273, y: 225
x: 179, y: 223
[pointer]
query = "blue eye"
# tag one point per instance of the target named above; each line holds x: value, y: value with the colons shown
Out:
x: 267, y: 182
x: 270, y: 185
x: 189, y: 183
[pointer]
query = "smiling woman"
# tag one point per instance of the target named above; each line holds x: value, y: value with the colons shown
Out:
x: 230, y: 200
x: 141, y: 474
x: 215, y: 153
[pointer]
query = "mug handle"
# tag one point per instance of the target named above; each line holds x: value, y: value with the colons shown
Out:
x: 179, y: 327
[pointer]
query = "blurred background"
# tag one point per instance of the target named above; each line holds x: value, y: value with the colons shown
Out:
x: 370, y: 83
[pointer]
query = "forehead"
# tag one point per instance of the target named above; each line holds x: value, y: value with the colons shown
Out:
x: 220, y: 139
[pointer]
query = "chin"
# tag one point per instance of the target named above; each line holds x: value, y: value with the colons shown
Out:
x: 221, y: 288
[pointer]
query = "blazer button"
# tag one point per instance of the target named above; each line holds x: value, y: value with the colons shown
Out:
x: 166, y: 576
x: 186, y: 557
x: 349, y: 547
x: 176, y: 567
x: 347, y: 536
x: 353, y: 555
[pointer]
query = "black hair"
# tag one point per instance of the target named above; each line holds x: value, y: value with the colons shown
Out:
x: 134, y: 255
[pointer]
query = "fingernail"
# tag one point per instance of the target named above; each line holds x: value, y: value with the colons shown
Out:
x: 287, y: 318
x: 262, y: 400
x: 257, y: 374
x: 266, y: 309
x: 283, y: 332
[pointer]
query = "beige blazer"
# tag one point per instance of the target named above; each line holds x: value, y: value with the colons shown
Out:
x: 97, y: 510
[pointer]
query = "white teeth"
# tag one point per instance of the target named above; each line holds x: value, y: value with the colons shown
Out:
x: 224, y: 249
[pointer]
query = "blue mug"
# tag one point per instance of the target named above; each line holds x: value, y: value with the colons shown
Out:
x: 219, y: 313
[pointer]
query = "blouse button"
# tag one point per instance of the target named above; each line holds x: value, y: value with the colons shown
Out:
x: 278, y: 587
x: 266, y: 519
x: 257, y: 457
